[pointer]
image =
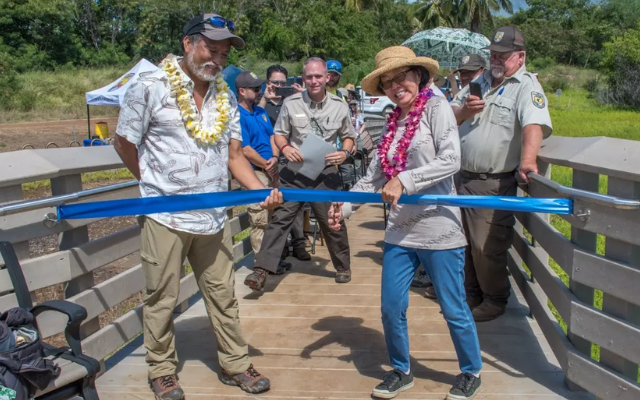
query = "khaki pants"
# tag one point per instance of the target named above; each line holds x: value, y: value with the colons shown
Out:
x: 163, y: 253
x: 259, y: 217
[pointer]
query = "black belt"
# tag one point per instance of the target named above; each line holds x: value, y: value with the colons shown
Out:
x: 259, y: 169
x: 485, y: 176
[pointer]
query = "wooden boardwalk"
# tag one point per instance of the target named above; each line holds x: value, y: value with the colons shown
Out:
x: 316, y: 339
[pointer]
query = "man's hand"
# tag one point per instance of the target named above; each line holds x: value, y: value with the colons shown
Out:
x: 392, y: 191
x: 335, y: 216
x: 527, y: 166
x: 292, y: 154
x: 270, y: 93
x: 272, y: 201
x: 297, y: 87
x: 336, y: 158
x: 474, y: 105
x: 272, y: 165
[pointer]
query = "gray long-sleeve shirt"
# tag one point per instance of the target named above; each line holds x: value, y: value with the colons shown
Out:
x: 432, y: 160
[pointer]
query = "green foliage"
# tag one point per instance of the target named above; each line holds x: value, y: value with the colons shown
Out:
x: 626, y: 46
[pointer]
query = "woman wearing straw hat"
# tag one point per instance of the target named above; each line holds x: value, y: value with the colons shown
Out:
x: 419, y: 153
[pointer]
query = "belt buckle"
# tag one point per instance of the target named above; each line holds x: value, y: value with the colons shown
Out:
x: 483, y: 176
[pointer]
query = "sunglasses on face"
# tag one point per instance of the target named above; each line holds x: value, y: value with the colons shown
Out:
x: 278, y: 83
x: 399, y: 78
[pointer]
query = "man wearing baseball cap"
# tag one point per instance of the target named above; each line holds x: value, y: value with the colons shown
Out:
x: 334, y: 69
x: 500, y: 136
x: 173, y: 149
x: 471, y: 66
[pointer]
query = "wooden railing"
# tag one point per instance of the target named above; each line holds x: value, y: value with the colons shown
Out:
x: 615, y: 272
x: 616, y: 328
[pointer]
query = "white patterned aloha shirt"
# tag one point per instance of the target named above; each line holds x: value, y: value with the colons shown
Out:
x: 171, y: 161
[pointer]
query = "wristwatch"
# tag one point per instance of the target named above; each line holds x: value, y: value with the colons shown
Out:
x: 347, y: 152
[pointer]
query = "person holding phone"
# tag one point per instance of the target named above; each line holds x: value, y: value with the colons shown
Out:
x: 471, y: 66
x: 277, y: 76
x: 502, y: 123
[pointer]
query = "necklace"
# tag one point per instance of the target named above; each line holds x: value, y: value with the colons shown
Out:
x: 187, y: 105
x: 411, y: 125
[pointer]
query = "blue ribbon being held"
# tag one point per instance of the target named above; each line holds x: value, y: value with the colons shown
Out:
x: 177, y: 203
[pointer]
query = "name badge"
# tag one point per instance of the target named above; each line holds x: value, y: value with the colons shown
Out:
x: 300, y: 115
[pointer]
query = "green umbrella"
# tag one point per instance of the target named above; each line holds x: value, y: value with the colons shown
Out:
x: 448, y: 45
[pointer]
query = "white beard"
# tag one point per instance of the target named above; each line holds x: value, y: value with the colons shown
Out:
x: 497, y: 73
x: 200, y: 71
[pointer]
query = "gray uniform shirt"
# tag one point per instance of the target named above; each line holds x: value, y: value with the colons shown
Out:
x: 301, y: 116
x: 432, y: 160
x: 491, y: 141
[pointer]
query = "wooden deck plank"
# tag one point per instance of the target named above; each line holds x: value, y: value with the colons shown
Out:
x: 318, y: 340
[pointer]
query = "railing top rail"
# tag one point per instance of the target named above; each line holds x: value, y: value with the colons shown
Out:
x: 586, y: 196
x: 32, y: 165
x: 619, y: 158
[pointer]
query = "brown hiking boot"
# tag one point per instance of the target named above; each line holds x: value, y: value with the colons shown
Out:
x: 167, y: 388
x: 251, y: 381
x: 343, y: 276
x: 488, y: 311
x: 257, y: 279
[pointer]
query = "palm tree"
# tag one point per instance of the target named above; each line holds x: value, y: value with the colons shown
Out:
x: 478, y: 11
x: 436, y: 13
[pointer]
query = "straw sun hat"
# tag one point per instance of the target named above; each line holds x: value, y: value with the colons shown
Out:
x: 392, y: 58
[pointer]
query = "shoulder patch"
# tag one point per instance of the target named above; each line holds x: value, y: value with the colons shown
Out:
x: 538, y: 99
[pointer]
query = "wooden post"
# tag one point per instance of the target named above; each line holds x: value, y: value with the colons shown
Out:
x: 629, y: 254
x: 588, y: 241
x: 72, y: 238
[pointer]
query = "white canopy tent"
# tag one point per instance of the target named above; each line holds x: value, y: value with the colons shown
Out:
x: 113, y: 93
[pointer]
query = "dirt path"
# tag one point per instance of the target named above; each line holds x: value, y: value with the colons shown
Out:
x: 38, y: 134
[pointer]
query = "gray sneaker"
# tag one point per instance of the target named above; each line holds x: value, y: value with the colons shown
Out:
x: 167, y: 388
x: 466, y: 387
x: 421, y: 280
x: 392, y: 384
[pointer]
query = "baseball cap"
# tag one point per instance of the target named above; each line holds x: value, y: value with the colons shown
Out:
x: 248, y: 79
x: 214, y: 27
x: 508, y: 38
x: 334, y: 66
x: 471, y: 62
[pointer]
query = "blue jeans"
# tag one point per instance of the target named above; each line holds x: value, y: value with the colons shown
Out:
x: 446, y: 269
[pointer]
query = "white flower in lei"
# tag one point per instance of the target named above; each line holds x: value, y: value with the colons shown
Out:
x: 187, y: 104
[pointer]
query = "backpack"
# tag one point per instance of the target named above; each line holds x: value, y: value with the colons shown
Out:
x: 24, y: 369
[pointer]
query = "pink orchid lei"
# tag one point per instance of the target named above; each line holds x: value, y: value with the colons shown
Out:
x: 411, y: 125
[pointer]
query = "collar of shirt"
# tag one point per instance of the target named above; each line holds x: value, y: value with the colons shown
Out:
x: 256, y: 110
x: 312, y: 104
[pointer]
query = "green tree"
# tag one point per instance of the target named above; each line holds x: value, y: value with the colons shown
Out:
x: 479, y: 11
x: 436, y: 13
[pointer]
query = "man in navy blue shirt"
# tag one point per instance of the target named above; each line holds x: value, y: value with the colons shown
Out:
x: 259, y: 148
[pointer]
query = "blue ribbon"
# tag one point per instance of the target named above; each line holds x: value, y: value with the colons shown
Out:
x: 177, y: 203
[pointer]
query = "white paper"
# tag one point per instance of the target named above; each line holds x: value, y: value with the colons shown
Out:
x: 313, y: 152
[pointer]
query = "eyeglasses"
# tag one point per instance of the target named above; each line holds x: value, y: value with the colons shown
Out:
x: 397, y: 79
x: 257, y: 89
x: 218, y: 22
x: 502, y: 57
x: 278, y: 83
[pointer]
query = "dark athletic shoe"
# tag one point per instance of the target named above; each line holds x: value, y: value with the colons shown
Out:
x: 301, y: 254
x: 466, y: 387
x: 421, y: 280
x: 343, y: 276
x: 488, y: 311
x: 392, y: 384
x: 473, y: 302
x: 430, y: 293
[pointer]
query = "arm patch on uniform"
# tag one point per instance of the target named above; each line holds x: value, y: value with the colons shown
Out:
x: 538, y: 99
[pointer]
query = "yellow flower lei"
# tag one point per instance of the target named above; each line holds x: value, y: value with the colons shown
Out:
x: 187, y: 105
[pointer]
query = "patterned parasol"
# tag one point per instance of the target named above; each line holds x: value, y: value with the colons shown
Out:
x: 448, y: 45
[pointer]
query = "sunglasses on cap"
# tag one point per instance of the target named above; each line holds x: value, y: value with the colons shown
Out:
x: 218, y: 22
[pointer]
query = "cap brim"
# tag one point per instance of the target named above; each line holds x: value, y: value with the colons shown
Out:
x: 469, y: 68
x: 333, y: 70
x: 502, y: 49
x: 223, y: 34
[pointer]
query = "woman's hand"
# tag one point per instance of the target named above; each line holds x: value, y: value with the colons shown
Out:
x: 392, y: 191
x: 335, y: 216
x: 273, y: 200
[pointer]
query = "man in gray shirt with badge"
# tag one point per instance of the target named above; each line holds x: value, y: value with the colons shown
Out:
x: 312, y: 112
x: 502, y: 119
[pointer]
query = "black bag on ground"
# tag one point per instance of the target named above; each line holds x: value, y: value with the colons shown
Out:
x: 25, y: 368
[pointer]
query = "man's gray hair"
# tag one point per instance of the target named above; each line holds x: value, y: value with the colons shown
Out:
x: 193, y: 38
x: 313, y: 59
